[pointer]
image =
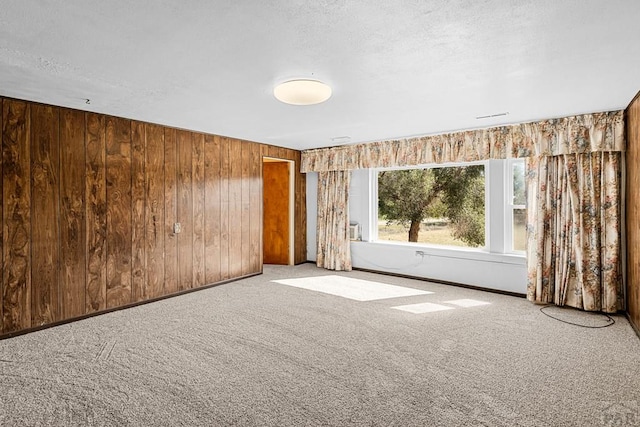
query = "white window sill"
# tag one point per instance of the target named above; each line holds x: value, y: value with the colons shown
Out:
x: 448, y: 251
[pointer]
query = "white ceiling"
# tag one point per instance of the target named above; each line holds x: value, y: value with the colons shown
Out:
x: 397, y: 68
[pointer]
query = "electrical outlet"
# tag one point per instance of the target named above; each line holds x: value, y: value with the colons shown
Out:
x: 177, y: 227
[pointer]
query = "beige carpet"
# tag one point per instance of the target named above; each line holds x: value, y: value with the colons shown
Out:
x: 259, y: 353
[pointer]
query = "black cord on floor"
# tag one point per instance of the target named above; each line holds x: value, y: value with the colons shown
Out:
x: 609, y: 319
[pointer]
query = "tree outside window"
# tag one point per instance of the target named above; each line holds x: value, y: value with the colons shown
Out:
x: 443, y: 205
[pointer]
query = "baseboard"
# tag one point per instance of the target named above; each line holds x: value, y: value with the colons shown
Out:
x: 444, y: 282
x: 122, y: 307
x: 635, y: 328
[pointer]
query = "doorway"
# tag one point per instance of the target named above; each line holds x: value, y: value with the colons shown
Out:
x: 278, y: 211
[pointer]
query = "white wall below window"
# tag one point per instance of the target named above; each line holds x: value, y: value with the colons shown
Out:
x: 484, y: 270
x: 503, y: 272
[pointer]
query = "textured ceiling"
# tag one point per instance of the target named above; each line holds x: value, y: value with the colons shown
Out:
x: 397, y: 68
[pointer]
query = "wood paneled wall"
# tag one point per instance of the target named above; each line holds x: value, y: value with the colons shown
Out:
x: 89, y: 204
x: 632, y: 116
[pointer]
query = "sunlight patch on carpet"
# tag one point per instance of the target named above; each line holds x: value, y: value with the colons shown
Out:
x: 355, y: 289
x: 425, y: 307
x: 467, y: 302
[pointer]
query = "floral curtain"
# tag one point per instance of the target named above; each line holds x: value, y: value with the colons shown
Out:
x: 576, y: 134
x: 573, y: 198
x: 334, y: 251
x: 573, y: 231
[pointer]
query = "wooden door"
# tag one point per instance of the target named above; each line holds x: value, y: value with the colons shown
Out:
x: 276, y: 212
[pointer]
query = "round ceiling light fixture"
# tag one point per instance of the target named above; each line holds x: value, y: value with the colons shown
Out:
x: 302, y: 92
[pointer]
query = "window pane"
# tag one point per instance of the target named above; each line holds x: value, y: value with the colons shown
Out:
x: 442, y: 206
x: 518, y: 183
x: 519, y: 229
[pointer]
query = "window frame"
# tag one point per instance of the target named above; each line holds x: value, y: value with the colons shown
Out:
x: 510, y: 206
x: 498, y: 232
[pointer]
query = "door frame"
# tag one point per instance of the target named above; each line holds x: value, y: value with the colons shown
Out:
x: 291, y: 168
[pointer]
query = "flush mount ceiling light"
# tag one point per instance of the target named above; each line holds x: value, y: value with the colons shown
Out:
x: 302, y: 92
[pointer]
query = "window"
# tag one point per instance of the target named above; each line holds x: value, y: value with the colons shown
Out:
x: 435, y: 205
x: 479, y: 205
x: 516, y: 215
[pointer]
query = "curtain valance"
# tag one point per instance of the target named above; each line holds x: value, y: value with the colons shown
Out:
x: 569, y: 135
